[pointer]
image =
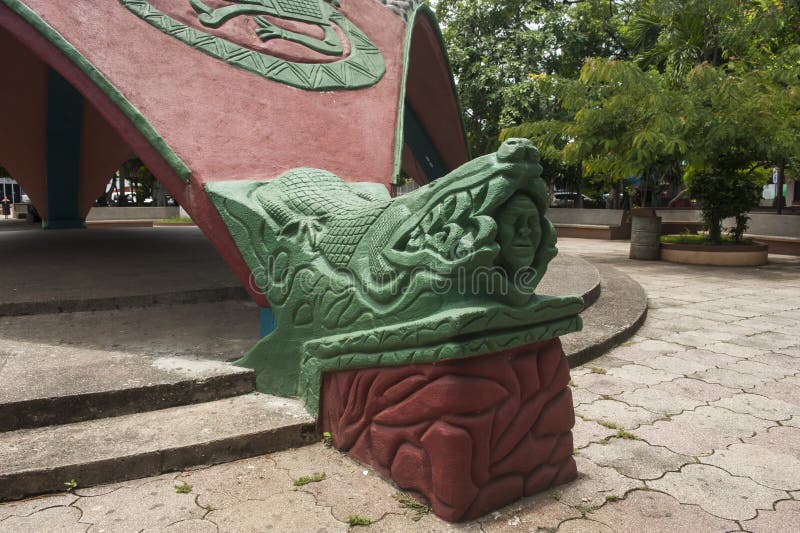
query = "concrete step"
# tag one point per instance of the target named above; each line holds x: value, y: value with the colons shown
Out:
x: 145, y: 299
x: 42, y: 385
x: 619, y: 311
x: 569, y: 274
x: 36, y: 461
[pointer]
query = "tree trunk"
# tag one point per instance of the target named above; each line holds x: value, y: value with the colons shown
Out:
x: 779, y: 186
x: 715, y: 230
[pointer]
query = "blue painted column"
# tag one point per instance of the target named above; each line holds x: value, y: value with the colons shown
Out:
x: 63, y: 153
x: 268, y: 323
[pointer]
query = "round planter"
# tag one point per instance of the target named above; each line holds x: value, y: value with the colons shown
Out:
x: 722, y: 255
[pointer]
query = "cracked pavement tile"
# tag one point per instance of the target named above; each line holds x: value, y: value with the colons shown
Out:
x: 760, y: 406
x: 32, y: 505
x: 396, y: 523
x: 647, y: 510
x: 347, y: 490
x: 152, y: 504
x: 584, y: 525
x: 701, y: 431
x: 706, y: 358
x: 194, y: 525
x: 594, y: 484
x: 760, y: 370
x: 785, y: 517
x: 762, y: 465
x: 51, y: 520
x: 290, y: 511
x: 587, y: 431
x: 580, y: 396
x: 695, y: 389
x: 604, y: 384
x: 659, y: 401
x: 224, y: 485
x: 778, y: 438
x: 615, y: 412
x: 635, y: 458
x: 529, y: 514
x: 729, y: 378
x: 717, y: 492
x: 676, y: 365
x: 642, y: 374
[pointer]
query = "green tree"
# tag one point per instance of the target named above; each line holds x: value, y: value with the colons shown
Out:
x: 495, y: 46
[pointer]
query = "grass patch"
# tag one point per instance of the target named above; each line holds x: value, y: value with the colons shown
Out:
x: 407, y: 502
x: 305, y: 480
x: 702, y: 240
x: 183, y: 488
x: 584, y: 509
x: 609, y: 425
x: 355, y: 520
x: 622, y: 434
x: 596, y: 370
x: 176, y: 220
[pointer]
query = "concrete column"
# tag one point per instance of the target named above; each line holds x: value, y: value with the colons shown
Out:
x: 63, y: 149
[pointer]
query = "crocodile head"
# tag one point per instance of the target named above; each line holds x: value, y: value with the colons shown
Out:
x: 359, y: 279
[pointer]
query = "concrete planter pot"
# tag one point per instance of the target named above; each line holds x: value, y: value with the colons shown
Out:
x: 703, y: 254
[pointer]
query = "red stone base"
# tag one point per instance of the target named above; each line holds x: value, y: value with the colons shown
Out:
x: 468, y: 435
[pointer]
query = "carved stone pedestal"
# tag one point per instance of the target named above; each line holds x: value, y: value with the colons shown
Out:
x: 468, y: 435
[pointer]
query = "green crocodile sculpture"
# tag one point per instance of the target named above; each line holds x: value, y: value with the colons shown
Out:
x: 359, y: 279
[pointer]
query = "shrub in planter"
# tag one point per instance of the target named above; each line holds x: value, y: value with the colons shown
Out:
x: 720, y: 196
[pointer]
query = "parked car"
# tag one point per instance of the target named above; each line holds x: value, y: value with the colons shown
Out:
x: 570, y: 199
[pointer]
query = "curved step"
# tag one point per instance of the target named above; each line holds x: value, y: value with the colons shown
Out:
x: 616, y: 315
x: 569, y: 274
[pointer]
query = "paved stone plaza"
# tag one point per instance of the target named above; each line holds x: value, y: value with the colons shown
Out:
x: 693, y: 425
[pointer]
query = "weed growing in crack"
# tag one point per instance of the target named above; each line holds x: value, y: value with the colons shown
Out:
x: 327, y: 439
x: 596, y: 370
x: 407, y: 502
x: 612, y: 498
x: 609, y: 425
x: 622, y: 434
x: 71, y: 485
x: 183, y: 488
x: 305, y: 480
x: 584, y: 509
x: 355, y: 520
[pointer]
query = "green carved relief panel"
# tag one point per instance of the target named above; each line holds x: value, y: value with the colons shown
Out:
x: 362, y: 67
x: 359, y: 279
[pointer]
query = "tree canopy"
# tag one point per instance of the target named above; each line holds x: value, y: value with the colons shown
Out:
x: 630, y: 88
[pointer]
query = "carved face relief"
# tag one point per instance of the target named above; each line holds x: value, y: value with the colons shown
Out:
x: 358, y: 279
x: 518, y: 233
